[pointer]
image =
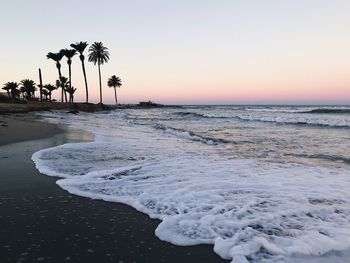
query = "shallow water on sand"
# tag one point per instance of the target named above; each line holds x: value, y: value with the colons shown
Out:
x: 266, y: 184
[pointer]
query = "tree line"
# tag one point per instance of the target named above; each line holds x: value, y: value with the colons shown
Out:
x: 98, y: 54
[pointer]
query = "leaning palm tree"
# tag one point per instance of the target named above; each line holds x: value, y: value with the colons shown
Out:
x: 115, y: 82
x: 28, y: 86
x: 80, y: 47
x: 69, y: 53
x: 57, y: 57
x: 50, y: 88
x: 98, y: 55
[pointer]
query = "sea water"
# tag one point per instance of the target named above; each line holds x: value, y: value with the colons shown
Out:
x: 259, y: 183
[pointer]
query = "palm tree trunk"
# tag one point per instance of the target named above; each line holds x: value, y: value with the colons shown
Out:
x: 41, y: 85
x: 86, y: 85
x: 63, y: 91
x: 115, y: 96
x: 62, y: 94
x: 70, y: 81
x: 59, y: 72
x: 59, y: 77
x: 99, y: 75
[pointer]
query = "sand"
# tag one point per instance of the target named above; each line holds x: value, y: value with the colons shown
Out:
x: 41, y: 222
x: 24, y: 126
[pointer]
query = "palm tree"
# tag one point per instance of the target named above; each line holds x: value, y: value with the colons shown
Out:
x: 71, y: 91
x: 7, y: 88
x: 69, y: 53
x: 50, y: 88
x: 62, y: 83
x: 15, y: 94
x: 80, y: 47
x: 28, y: 87
x: 45, y: 93
x: 12, y: 86
x: 115, y: 82
x: 100, y: 55
x: 57, y: 57
x: 22, y: 92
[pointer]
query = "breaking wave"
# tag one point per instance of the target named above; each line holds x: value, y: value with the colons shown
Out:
x: 328, y: 111
x: 248, y: 209
x: 288, y: 119
x: 189, y: 135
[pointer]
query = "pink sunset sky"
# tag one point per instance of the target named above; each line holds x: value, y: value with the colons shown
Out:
x: 188, y: 52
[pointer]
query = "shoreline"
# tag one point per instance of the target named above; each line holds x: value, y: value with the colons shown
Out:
x: 46, y: 223
x: 32, y: 106
x: 18, y: 127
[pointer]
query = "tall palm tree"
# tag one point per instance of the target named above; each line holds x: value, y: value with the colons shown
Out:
x: 69, y: 53
x: 115, y: 82
x: 62, y: 83
x: 28, y: 86
x: 50, y: 88
x: 80, y: 47
x: 98, y: 55
x: 57, y: 57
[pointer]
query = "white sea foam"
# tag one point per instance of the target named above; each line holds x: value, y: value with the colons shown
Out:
x: 263, y: 212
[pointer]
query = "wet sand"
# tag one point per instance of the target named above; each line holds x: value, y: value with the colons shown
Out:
x: 40, y: 222
x: 24, y: 126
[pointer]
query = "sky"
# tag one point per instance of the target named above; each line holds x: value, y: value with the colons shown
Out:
x: 187, y: 52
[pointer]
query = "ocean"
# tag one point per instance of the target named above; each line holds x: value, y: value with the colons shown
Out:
x: 259, y: 183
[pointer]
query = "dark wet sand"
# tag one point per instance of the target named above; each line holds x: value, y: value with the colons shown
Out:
x: 40, y: 222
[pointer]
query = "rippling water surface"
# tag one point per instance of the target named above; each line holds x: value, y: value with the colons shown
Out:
x: 263, y: 184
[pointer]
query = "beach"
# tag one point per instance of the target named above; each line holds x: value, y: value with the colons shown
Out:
x: 257, y: 183
x: 40, y: 222
x: 175, y: 132
x: 191, y: 184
